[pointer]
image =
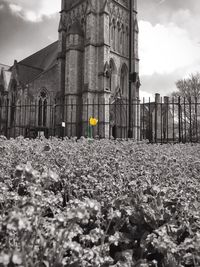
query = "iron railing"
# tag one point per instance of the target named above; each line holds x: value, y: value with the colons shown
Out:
x: 170, y: 121
x: 53, y: 118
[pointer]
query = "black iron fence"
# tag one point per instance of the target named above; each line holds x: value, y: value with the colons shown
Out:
x: 171, y: 120
x: 71, y: 118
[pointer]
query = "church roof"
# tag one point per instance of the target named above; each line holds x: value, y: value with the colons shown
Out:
x: 27, y: 73
x: 29, y: 68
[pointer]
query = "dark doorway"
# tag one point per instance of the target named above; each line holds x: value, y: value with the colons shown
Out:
x: 114, y: 131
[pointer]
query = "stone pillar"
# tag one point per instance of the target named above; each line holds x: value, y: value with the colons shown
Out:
x: 59, y: 116
x: 87, y: 111
x: 157, y: 98
x: 104, y: 115
x: 73, y: 81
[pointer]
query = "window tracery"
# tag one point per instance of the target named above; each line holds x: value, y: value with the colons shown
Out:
x: 42, y: 109
x: 124, y: 79
x: 112, y: 75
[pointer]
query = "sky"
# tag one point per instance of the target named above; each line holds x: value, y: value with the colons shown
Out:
x: 169, y: 38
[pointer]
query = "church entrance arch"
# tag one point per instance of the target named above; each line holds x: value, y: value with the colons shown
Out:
x: 118, y: 118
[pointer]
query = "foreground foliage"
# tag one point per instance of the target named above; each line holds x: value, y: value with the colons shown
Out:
x: 99, y: 203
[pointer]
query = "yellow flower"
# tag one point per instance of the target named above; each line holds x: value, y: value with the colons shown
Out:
x: 93, y: 121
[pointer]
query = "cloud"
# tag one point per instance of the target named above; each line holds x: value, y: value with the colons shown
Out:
x: 156, y: 11
x: 20, y: 38
x: 165, y: 48
x: 15, y: 8
x: 169, y: 43
x: 30, y: 11
x: 183, y: 13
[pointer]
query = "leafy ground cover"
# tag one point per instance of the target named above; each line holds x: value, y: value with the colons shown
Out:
x: 99, y: 203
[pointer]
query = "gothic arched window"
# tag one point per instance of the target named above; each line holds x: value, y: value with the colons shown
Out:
x: 112, y: 75
x: 42, y: 109
x: 113, y: 34
x: 124, y: 80
x: 118, y: 37
x: 127, y: 42
x: 136, y: 38
x: 121, y: 40
x: 13, y: 102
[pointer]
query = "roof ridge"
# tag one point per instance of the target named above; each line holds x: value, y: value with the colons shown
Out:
x: 26, y: 65
x: 37, y: 52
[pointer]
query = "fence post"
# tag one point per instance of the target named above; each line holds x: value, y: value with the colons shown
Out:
x: 1, y: 112
x: 143, y: 136
x: 150, y: 130
x: 156, y: 128
x: 185, y: 122
x: 190, y: 107
x: 161, y: 120
x: 196, y: 119
x: 155, y: 122
x: 7, y: 116
x: 179, y: 119
x: 173, y: 112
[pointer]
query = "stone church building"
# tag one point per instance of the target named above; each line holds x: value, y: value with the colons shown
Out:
x: 89, y: 71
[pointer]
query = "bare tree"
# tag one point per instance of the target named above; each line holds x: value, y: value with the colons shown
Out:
x: 188, y: 88
x: 189, y: 92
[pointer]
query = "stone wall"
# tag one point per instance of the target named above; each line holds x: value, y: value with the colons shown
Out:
x: 48, y: 80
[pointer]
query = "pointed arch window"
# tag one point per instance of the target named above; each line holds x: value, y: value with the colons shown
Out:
x: 136, y: 38
x: 42, y: 109
x: 13, y: 102
x: 122, y: 39
x: 118, y: 40
x: 112, y: 75
x: 45, y: 112
x: 112, y: 34
x: 127, y: 42
x: 124, y: 80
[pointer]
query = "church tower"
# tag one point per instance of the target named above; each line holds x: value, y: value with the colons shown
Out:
x: 98, y: 63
